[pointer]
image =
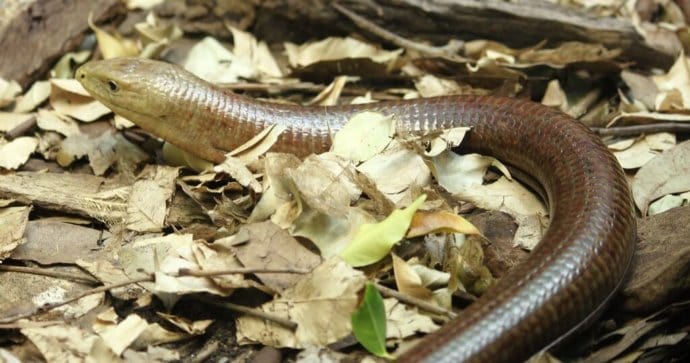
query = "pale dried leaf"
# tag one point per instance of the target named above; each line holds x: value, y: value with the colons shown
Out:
x: 36, y: 95
x: 334, y: 49
x: 667, y: 173
x: 432, y: 86
x: 147, y: 203
x: 16, y: 152
x: 8, y: 92
x: 119, y: 337
x: 513, y: 199
x: 321, y: 304
x: 330, y: 95
x: 10, y: 120
x: 256, y: 53
x: 191, y: 327
x: 403, y: 321
x: 61, y: 342
x: 113, y: 46
x: 13, y: 221
x: 642, y: 150
x: 365, y: 135
x: 68, y: 97
x: 396, y: 173
x: 407, y: 280
x: 52, y: 121
x: 239, y: 171
x: 211, y: 61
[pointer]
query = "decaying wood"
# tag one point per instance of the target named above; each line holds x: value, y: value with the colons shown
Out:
x: 520, y: 23
x: 34, y: 34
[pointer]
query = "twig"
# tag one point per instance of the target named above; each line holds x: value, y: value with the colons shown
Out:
x: 447, y: 51
x: 150, y: 278
x: 21, y: 129
x: 643, y: 129
x: 45, y: 272
x: 251, y: 312
x: 196, y: 273
x: 30, y: 324
x: 48, y: 307
x: 434, y: 309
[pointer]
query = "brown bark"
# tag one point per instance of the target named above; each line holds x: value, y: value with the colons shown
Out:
x: 519, y: 23
x: 34, y: 34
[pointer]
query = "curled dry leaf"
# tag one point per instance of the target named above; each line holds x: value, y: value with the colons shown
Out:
x: 437, y: 222
x: 53, y: 121
x: 407, y: 280
x: 667, y: 173
x: 68, y: 97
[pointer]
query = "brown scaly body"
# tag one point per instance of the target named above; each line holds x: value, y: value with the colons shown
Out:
x: 575, y: 269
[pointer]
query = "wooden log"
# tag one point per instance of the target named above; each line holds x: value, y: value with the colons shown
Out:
x: 520, y: 23
x: 35, y: 33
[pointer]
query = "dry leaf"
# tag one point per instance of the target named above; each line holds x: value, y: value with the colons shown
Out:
x: 212, y: 62
x: 270, y: 247
x: 437, y: 222
x: 397, y: 172
x: 113, y: 46
x: 16, y: 152
x: 336, y: 48
x: 365, y: 135
x: 13, y: 222
x: 68, y: 97
x: 633, y: 156
x: 9, y: 120
x: 667, y: 173
x: 321, y: 304
x: 8, y: 92
x: 407, y: 280
x: 119, y: 337
x: 36, y: 95
x: 61, y: 342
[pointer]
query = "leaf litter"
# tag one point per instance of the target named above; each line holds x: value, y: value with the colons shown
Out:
x: 178, y: 233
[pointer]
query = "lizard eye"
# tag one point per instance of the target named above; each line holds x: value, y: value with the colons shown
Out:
x: 113, y: 85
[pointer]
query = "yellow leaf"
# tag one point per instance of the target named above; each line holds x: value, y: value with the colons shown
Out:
x: 112, y: 46
x: 441, y: 221
x: 373, y: 242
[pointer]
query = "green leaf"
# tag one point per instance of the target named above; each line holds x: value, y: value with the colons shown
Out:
x: 372, y: 242
x: 369, y: 323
